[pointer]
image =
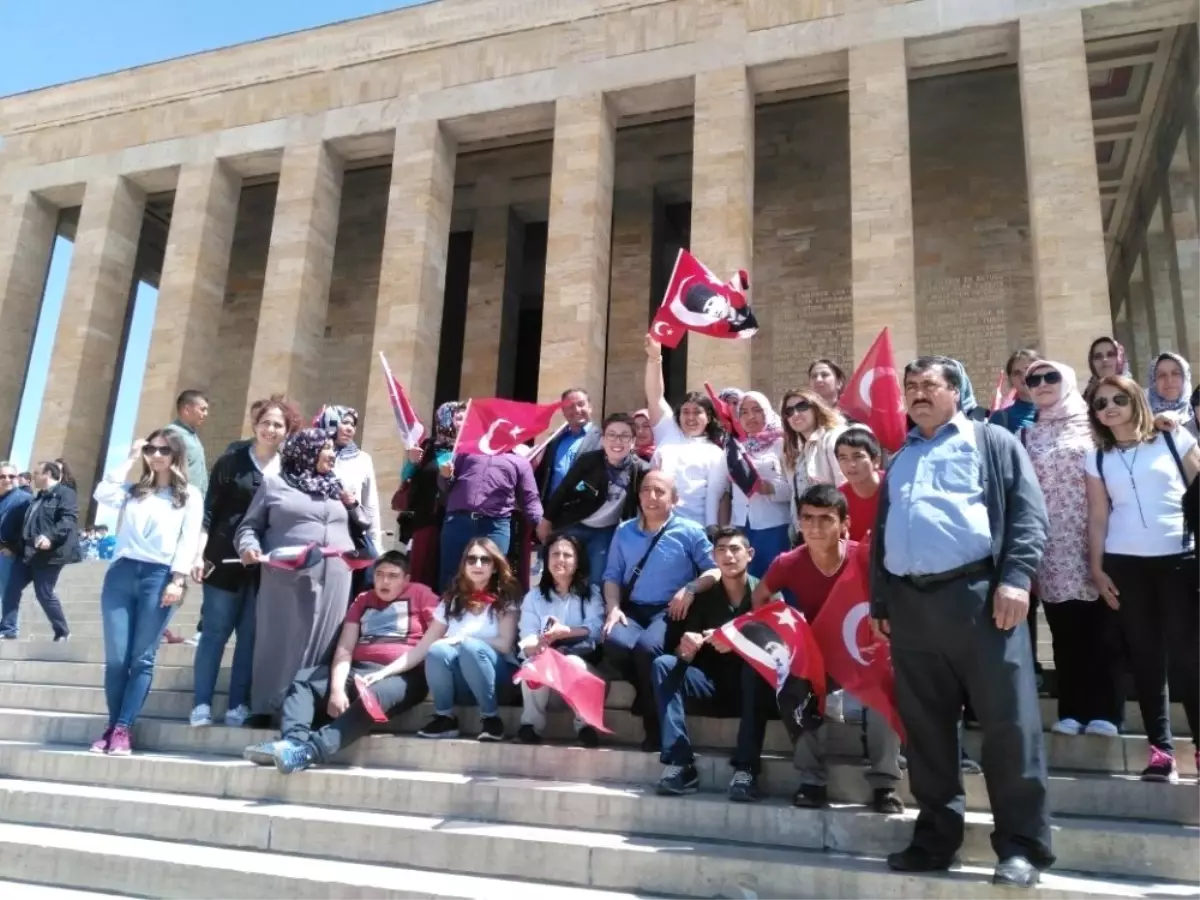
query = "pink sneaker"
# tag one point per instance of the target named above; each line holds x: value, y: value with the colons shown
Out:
x: 1161, y: 767
x: 101, y: 746
x: 120, y: 743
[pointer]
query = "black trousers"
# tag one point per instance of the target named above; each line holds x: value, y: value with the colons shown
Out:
x: 1160, y: 618
x: 304, y: 705
x: 1087, y: 659
x: 45, y: 582
x: 945, y: 646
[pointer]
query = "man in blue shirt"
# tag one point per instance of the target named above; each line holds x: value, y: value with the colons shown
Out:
x: 579, y: 436
x: 13, y: 504
x: 959, y: 534
x: 655, y: 560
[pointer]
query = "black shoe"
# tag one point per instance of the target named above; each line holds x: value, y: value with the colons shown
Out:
x: 886, y: 801
x: 1016, y: 871
x: 62, y: 637
x: 811, y: 796
x: 678, y: 780
x: 526, y: 735
x: 918, y: 859
x: 491, y: 728
x: 743, y: 787
x: 588, y: 737
x: 440, y: 727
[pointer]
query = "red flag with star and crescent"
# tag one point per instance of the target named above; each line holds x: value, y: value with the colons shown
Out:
x: 855, y: 657
x: 873, y: 395
x: 582, y: 691
x: 697, y: 300
x: 493, y: 426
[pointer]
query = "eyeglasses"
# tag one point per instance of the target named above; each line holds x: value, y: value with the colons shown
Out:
x: 798, y: 407
x: 619, y: 437
x: 1101, y: 403
x: 1052, y: 377
x: 156, y: 450
x: 479, y: 560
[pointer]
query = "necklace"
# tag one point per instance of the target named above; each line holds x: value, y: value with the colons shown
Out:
x: 1130, y: 465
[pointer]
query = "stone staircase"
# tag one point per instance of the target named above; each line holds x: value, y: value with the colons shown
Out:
x: 186, y: 817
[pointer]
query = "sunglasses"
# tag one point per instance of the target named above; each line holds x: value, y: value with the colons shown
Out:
x: 479, y: 559
x: 798, y: 407
x: 1101, y: 403
x: 1051, y: 377
x: 8, y: 477
x: 156, y: 450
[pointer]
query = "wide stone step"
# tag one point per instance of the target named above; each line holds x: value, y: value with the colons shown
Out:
x: 27, y: 891
x: 169, y: 869
x: 570, y: 856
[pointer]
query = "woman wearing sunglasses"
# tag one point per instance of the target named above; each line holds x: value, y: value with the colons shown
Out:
x: 1083, y: 628
x: 810, y: 431
x: 158, y: 537
x: 471, y: 640
x: 1143, y: 559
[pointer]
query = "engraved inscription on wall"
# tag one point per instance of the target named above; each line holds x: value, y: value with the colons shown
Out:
x: 807, y: 325
x: 966, y: 317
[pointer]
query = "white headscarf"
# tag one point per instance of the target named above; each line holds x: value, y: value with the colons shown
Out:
x: 1070, y: 402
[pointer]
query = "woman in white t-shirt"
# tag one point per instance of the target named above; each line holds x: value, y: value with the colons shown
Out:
x: 689, y: 444
x: 472, y: 637
x: 1143, y: 560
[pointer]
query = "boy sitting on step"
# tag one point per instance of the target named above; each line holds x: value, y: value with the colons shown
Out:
x: 381, y: 626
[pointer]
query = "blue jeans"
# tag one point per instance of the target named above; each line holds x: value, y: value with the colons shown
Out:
x: 631, y: 649
x: 44, y: 579
x: 222, y: 614
x: 676, y: 680
x: 596, y: 542
x: 458, y: 530
x: 6, y: 563
x: 467, y: 672
x: 134, y: 619
x: 768, y: 543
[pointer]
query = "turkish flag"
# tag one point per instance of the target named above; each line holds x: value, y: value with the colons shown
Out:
x: 725, y: 413
x: 741, y: 469
x: 697, y: 300
x: 854, y: 656
x: 874, y: 396
x: 583, y: 691
x: 495, y: 426
x: 411, y: 429
x: 295, y: 558
x: 369, y: 701
x: 1002, y: 399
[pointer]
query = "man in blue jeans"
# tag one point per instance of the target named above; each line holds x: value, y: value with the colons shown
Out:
x: 656, y: 560
x: 13, y: 504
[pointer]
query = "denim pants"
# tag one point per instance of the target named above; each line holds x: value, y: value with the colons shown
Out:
x: 674, y: 681
x: 134, y: 618
x: 6, y: 563
x: 596, y: 542
x: 632, y: 649
x: 458, y: 530
x: 44, y: 579
x: 222, y: 614
x: 467, y: 672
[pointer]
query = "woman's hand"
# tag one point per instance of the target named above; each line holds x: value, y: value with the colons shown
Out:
x: 135, y: 449
x: 198, y: 570
x: 252, y: 557
x: 555, y: 633
x: 1165, y: 423
x: 446, y: 469
x: 41, y: 542
x: 765, y: 487
x: 173, y: 594
x: 415, y: 455
x: 653, y: 347
x: 543, y: 530
x: 1107, y: 589
x: 349, y: 500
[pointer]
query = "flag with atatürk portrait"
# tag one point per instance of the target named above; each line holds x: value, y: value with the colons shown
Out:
x: 697, y: 300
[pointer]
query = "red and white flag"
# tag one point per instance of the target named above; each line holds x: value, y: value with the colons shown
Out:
x: 369, y: 701
x: 411, y: 429
x: 697, y: 300
x: 854, y: 656
x: 534, y: 454
x: 1002, y: 399
x: 874, y: 397
x: 725, y: 413
x: 495, y: 426
x: 583, y: 691
x: 305, y: 556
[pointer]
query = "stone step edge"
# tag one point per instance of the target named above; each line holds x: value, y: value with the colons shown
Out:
x: 470, y: 831
x: 26, y: 890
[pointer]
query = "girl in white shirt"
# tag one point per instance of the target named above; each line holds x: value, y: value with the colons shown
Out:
x: 765, y: 515
x: 565, y: 611
x: 1143, y: 560
x: 688, y: 444
x: 158, y: 537
x: 470, y: 642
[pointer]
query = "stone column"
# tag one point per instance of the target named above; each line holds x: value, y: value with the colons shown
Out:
x: 184, y: 352
x: 722, y: 233
x: 629, y: 299
x: 27, y: 231
x: 1166, y: 290
x: 1066, y: 234
x: 1150, y: 311
x: 1184, y: 227
x: 412, y: 281
x: 881, y: 219
x: 291, y: 321
x: 83, y: 368
x: 575, y: 298
x: 1142, y: 328
x: 483, y: 328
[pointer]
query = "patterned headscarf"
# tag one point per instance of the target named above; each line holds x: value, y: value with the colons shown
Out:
x: 966, y: 394
x: 732, y: 395
x: 772, y: 429
x: 328, y: 420
x: 298, y: 464
x: 1160, y: 404
x: 444, y: 431
x: 1070, y: 403
x: 1122, y: 358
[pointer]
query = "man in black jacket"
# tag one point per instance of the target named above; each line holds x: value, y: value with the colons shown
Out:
x: 579, y: 437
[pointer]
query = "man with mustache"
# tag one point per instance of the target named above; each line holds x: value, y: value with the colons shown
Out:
x: 958, y: 536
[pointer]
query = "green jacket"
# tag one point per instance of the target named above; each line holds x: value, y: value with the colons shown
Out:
x: 197, y: 467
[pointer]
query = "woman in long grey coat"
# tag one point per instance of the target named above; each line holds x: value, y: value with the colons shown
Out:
x: 299, y: 611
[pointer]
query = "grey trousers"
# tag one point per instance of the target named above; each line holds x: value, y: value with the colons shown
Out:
x: 883, y: 753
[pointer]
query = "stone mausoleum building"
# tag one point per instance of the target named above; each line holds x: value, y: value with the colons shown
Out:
x: 491, y: 192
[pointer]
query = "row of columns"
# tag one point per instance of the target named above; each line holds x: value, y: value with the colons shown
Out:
x: 1068, y: 251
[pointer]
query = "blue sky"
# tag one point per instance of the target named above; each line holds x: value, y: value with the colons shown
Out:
x: 50, y: 43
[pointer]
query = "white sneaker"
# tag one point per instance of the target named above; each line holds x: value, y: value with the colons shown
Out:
x: 236, y: 717
x: 1067, y: 726
x: 201, y: 716
x: 1102, y: 728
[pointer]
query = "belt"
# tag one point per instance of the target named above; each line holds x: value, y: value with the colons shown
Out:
x: 474, y: 516
x: 925, y: 582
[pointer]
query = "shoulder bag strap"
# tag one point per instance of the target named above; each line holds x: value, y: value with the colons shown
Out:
x: 1175, y: 454
x: 637, y: 570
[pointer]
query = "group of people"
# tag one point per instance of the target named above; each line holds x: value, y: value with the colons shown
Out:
x: 1082, y: 501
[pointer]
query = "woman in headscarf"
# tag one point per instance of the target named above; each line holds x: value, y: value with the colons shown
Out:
x: 421, y: 519
x: 353, y: 467
x: 1105, y: 357
x: 300, y: 609
x: 1020, y: 413
x: 765, y: 514
x: 966, y: 399
x: 1083, y: 628
x: 1169, y: 386
x: 643, y: 435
